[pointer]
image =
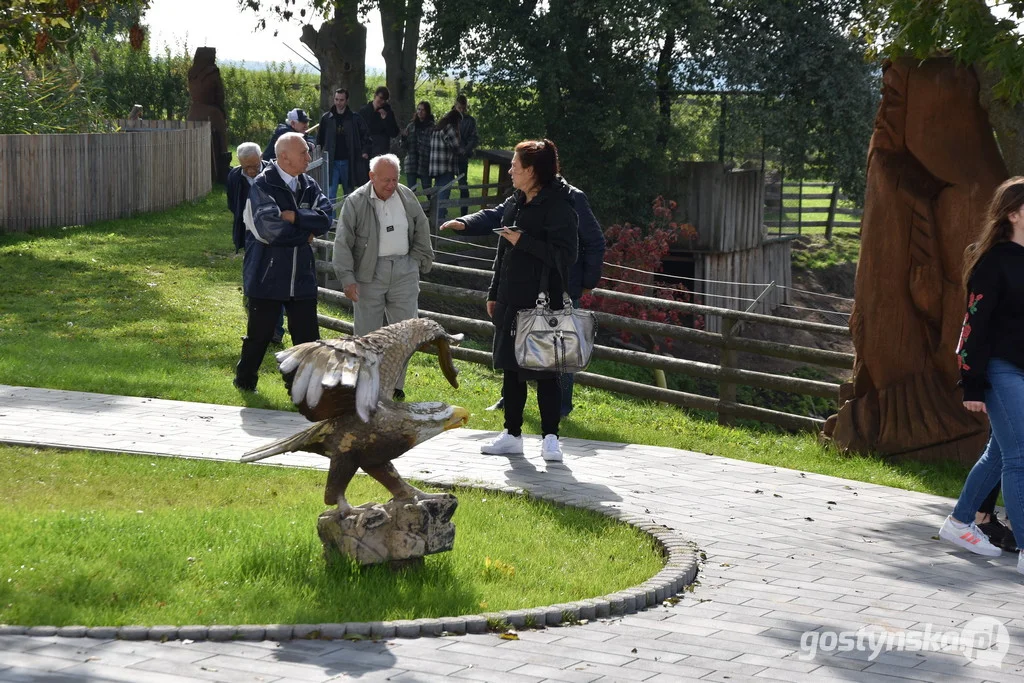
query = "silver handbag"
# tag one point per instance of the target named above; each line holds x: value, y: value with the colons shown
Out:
x: 557, y: 341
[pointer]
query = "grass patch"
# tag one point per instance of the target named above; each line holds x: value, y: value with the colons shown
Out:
x: 152, y: 306
x: 102, y: 539
x: 816, y: 253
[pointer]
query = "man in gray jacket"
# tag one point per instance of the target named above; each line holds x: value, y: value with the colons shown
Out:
x: 382, y: 246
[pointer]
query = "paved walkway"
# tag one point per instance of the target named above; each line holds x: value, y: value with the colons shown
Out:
x: 792, y: 558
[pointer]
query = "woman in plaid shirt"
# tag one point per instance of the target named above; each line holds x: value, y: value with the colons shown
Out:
x: 445, y: 147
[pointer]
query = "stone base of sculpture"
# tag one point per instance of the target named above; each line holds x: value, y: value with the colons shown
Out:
x: 398, y: 532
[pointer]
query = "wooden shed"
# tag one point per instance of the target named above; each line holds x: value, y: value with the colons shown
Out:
x: 732, y: 261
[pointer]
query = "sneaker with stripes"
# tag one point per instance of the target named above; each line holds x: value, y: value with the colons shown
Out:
x: 969, y: 537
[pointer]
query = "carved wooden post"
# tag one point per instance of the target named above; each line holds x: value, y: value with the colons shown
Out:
x: 727, y: 389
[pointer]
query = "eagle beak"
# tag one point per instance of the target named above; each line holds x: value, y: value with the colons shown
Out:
x: 459, y: 418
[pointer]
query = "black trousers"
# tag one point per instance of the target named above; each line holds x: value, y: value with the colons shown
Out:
x: 549, y: 401
x: 263, y: 317
x: 462, y: 166
x: 988, y: 507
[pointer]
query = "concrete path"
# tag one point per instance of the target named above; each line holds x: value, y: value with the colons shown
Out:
x: 796, y: 564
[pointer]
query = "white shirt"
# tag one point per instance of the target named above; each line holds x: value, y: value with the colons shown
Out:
x: 291, y: 181
x: 394, y: 224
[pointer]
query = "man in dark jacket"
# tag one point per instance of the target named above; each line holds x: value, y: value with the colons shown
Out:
x: 583, y: 275
x: 240, y: 178
x: 285, y: 211
x: 295, y: 122
x: 346, y: 139
x: 381, y: 121
x: 469, y: 140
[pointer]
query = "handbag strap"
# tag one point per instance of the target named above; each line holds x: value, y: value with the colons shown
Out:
x: 545, y: 274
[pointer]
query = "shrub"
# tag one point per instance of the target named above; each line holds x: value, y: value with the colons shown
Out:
x: 640, y: 251
x: 41, y: 100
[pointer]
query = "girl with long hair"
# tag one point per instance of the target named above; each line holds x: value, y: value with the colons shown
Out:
x: 991, y: 359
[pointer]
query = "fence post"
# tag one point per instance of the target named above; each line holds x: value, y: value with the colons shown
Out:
x: 829, y: 224
x: 726, y: 389
x: 800, y: 209
x: 782, y: 196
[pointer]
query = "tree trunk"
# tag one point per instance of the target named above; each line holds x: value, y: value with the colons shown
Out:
x: 664, y: 86
x: 400, y: 28
x: 1007, y: 120
x: 340, y: 48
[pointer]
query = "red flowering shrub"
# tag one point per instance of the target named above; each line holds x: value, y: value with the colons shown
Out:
x: 642, y: 249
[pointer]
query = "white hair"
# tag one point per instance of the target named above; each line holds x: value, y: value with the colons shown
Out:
x: 248, y: 149
x: 385, y: 158
x: 283, y: 141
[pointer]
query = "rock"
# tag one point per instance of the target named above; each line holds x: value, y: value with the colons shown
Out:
x: 395, y: 532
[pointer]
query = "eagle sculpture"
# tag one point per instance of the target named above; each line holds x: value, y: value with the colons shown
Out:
x: 345, y: 386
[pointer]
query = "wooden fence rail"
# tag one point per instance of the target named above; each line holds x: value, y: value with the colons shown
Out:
x: 726, y: 374
x: 56, y: 180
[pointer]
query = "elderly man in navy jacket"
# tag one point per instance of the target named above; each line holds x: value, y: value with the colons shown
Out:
x: 285, y: 211
x: 583, y: 275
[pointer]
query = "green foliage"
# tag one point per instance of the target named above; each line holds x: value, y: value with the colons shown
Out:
x: 818, y: 92
x: 46, y: 100
x: 122, y: 76
x: 966, y: 29
x: 40, y: 30
x: 144, y: 540
x: 258, y: 100
x: 816, y: 253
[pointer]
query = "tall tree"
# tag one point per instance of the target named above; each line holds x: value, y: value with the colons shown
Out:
x: 972, y: 32
x: 41, y: 29
x: 340, y: 44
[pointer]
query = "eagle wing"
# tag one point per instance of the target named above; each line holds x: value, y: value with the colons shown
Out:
x: 334, y: 377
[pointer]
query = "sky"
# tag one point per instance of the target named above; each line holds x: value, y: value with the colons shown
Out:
x: 223, y: 25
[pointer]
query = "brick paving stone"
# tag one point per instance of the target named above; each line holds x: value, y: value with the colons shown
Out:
x: 783, y: 575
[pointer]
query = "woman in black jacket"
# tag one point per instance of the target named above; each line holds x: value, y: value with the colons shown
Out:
x: 539, y: 229
x: 991, y: 359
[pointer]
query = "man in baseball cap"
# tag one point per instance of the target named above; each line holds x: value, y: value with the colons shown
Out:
x: 295, y: 122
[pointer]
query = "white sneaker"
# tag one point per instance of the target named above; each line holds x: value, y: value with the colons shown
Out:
x: 969, y: 537
x: 504, y: 444
x: 550, y: 450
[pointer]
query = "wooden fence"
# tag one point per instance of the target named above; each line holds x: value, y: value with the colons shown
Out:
x: 727, y: 374
x: 55, y: 180
x: 727, y: 207
x: 808, y: 216
x: 755, y: 279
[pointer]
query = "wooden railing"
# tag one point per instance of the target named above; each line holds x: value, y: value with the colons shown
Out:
x: 726, y: 373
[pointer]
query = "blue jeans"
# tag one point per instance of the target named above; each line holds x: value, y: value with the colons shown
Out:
x: 1004, y: 456
x: 412, y: 178
x: 440, y: 181
x: 339, y: 176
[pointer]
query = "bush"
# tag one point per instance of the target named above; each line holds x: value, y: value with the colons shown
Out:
x: 643, y: 249
x: 39, y: 100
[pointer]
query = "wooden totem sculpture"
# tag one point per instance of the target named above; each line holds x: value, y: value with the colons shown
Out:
x: 933, y: 165
x: 206, y: 92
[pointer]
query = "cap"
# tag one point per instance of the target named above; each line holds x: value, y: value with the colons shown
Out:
x: 297, y: 115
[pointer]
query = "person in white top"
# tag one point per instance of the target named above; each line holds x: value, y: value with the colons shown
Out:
x: 381, y: 248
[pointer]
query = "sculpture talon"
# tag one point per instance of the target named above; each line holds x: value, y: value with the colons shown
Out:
x: 345, y: 386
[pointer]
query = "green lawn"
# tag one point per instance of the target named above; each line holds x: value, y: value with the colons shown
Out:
x: 151, y: 306
x: 100, y: 539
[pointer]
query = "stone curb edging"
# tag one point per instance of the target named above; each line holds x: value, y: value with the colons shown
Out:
x: 680, y: 570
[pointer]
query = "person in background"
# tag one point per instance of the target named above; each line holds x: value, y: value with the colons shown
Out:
x: 381, y: 248
x: 469, y: 139
x: 991, y: 359
x: 538, y: 235
x: 285, y: 212
x: 381, y: 121
x: 250, y: 165
x: 444, y: 150
x: 583, y: 275
x: 296, y: 121
x: 346, y: 139
x: 416, y: 141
